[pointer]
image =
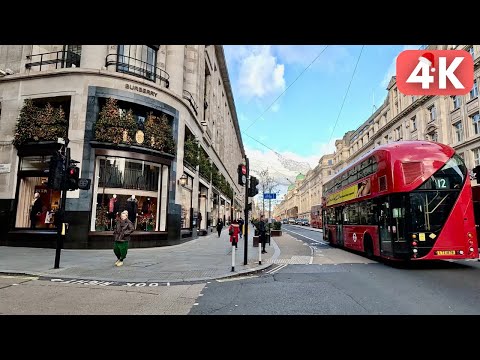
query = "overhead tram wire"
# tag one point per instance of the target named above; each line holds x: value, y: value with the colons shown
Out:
x: 346, y: 93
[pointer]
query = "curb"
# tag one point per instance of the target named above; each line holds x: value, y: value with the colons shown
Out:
x: 165, y: 282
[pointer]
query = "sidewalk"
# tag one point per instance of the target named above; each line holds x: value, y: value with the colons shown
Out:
x: 205, y: 258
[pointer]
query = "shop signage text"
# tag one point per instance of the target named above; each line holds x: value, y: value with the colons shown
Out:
x: 140, y: 90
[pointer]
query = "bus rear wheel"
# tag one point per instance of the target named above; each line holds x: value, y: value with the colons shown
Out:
x: 368, y: 246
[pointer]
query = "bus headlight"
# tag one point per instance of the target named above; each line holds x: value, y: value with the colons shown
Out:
x: 471, y: 249
x: 415, y: 250
x: 414, y: 236
x: 469, y: 234
x: 461, y: 252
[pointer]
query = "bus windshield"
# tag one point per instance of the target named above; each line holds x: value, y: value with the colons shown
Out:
x: 432, y: 202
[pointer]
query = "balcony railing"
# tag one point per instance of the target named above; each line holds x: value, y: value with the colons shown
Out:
x: 188, y: 96
x: 61, y: 59
x: 136, y: 67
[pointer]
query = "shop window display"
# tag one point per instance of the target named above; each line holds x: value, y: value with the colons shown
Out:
x: 186, y: 202
x: 127, y: 184
x: 37, y: 204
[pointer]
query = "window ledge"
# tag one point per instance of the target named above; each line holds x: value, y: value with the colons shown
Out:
x: 471, y: 100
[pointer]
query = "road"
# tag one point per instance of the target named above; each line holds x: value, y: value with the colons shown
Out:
x: 308, y: 277
x: 313, y: 278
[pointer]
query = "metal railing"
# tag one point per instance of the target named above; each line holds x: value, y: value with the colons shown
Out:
x: 188, y: 96
x: 64, y: 59
x: 136, y: 67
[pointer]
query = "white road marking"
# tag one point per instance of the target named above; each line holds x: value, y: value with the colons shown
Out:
x: 195, y: 304
x: 277, y: 269
x: 309, y: 238
x: 313, y: 254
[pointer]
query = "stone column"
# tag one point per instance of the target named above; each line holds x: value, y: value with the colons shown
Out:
x: 93, y: 56
x: 174, y: 67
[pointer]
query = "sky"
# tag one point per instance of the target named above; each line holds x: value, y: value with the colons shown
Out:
x: 300, y: 124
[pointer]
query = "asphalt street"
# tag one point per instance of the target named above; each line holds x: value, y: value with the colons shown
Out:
x: 337, y: 282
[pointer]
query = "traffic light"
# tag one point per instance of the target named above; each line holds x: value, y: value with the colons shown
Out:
x: 476, y: 171
x: 56, y: 172
x: 252, y: 190
x: 242, y: 174
x: 73, y: 174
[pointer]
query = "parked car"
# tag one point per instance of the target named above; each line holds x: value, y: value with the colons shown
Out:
x: 285, y: 221
x: 298, y: 221
x: 305, y: 222
x: 291, y: 221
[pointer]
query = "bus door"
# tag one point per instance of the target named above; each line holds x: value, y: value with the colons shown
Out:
x: 397, y: 226
x: 339, y: 222
x: 384, y: 229
x: 391, y: 223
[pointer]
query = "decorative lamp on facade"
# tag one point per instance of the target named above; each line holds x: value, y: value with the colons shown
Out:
x: 183, y: 180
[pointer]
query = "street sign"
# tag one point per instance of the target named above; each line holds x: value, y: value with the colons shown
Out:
x: 269, y: 196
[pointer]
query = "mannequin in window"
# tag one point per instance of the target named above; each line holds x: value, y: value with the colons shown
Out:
x: 113, y: 209
x: 36, y: 210
x: 132, y: 208
x: 146, y: 206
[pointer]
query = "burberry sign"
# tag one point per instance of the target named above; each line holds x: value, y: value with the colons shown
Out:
x: 140, y: 89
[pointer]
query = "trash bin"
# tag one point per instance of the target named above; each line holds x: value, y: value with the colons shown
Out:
x: 256, y: 240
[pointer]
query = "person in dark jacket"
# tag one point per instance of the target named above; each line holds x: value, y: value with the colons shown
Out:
x: 219, y: 227
x: 262, y: 233
x: 123, y: 229
x: 240, y: 224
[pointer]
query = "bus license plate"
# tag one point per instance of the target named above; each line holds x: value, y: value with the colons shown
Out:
x: 445, y: 252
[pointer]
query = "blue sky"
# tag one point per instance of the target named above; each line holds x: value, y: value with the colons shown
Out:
x: 300, y: 124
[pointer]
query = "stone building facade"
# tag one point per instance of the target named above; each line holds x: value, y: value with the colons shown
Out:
x: 454, y: 121
x: 169, y: 198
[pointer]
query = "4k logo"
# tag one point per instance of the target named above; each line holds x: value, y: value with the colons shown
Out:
x: 434, y: 72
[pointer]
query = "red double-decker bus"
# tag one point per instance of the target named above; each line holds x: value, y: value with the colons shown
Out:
x: 408, y: 200
x: 316, y: 216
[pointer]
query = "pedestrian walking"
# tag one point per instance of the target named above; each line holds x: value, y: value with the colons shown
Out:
x: 240, y: 224
x: 261, y: 227
x: 233, y: 231
x: 219, y: 227
x: 123, y: 228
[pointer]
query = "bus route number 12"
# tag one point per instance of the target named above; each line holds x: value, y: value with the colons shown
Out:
x: 441, y: 183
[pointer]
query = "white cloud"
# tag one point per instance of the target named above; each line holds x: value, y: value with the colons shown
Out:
x: 392, y: 68
x: 324, y: 148
x: 259, y: 74
x: 333, y: 60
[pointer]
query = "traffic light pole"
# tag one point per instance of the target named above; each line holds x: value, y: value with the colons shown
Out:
x: 245, y: 235
x: 60, y: 224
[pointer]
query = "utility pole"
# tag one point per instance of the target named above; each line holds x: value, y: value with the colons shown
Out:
x: 270, y: 205
x: 61, y: 223
x: 263, y: 197
x: 245, y: 235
